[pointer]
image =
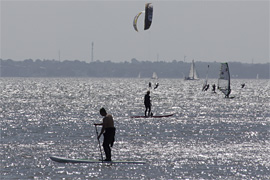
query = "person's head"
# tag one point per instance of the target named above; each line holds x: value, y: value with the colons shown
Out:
x: 102, y: 112
x: 148, y: 92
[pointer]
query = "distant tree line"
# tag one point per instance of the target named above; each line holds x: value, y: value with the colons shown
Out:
x: 132, y: 69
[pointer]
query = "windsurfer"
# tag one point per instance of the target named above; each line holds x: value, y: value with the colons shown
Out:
x: 214, y: 88
x: 109, y: 129
x: 206, y: 87
x: 229, y: 92
x: 147, y: 103
x: 203, y: 89
x: 157, y: 84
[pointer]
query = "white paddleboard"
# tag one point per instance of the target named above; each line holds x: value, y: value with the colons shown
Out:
x: 69, y: 160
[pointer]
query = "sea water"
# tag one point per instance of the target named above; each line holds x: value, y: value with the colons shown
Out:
x: 209, y: 137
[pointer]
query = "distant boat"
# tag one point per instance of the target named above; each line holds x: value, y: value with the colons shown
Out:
x: 154, y: 76
x: 224, y: 80
x: 192, y: 72
x: 139, y: 75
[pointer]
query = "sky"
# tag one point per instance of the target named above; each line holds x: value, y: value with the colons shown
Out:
x: 181, y: 30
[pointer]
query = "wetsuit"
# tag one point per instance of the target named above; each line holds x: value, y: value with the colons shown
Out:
x: 147, y: 103
x: 227, y: 95
x: 214, y: 88
x: 108, y: 141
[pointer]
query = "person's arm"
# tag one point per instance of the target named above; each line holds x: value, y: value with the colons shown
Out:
x: 101, y: 132
x: 102, y: 129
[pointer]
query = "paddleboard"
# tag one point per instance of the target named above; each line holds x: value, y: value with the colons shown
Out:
x: 231, y: 97
x: 161, y: 116
x: 69, y: 160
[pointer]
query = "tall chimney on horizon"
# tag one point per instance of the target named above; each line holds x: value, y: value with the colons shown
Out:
x: 92, y: 55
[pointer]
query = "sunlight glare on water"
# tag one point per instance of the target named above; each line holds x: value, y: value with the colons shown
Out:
x: 209, y: 137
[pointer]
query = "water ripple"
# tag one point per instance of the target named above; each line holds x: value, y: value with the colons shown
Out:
x: 209, y: 137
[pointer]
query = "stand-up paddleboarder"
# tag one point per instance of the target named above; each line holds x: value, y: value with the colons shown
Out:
x: 147, y: 103
x: 109, y: 129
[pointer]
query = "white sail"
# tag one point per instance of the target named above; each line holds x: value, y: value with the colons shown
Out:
x: 139, y: 75
x: 206, y: 79
x: 192, y: 72
x: 154, y: 76
x: 224, y: 79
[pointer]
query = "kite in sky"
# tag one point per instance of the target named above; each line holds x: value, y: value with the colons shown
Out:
x: 147, y: 19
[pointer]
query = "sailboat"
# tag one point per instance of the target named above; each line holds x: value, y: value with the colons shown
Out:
x: 154, y: 76
x: 192, y: 72
x: 224, y: 80
x: 139, y: 75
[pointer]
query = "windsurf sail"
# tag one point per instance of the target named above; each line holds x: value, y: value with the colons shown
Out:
x: 147, y: 19
x: 206, y: 79
x: 224, y: 84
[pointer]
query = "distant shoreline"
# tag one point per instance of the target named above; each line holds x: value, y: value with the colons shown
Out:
x: 108, y: 69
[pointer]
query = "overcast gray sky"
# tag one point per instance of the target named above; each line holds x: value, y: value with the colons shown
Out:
x: 200, y: 30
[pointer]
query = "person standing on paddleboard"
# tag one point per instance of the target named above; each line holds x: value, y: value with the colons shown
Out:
x: 109, y: 129
x: 147, y: 103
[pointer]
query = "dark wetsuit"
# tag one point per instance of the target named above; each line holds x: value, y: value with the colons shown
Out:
x: 214, y: 88
x: 108, y: 141
x: 147, y: 103
x: 227, y: 95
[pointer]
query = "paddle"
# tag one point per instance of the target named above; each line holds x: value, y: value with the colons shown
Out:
x: 99, y: 144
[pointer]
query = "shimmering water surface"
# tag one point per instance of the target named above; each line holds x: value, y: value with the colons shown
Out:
x: 209, y: 137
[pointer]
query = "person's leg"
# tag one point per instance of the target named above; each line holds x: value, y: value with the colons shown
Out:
x: 146, y: 108
x: 107, y: 151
